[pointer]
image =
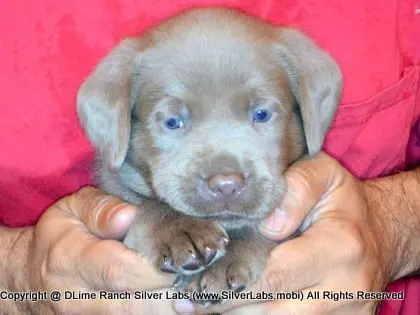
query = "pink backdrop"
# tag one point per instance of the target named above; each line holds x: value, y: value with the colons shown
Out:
x: 48, y: 47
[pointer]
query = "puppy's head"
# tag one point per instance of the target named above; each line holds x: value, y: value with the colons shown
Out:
x: 210, y: 108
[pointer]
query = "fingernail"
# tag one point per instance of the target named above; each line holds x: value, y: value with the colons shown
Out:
x: 123, y: 213
x: 184, y: 307
x: 121, y: 218
x: 275, y: 222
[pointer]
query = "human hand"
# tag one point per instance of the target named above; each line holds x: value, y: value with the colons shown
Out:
x: 342, y: 248
x: 75, y: 247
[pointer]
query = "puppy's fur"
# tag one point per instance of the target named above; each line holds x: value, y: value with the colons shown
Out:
x: 212, y: 68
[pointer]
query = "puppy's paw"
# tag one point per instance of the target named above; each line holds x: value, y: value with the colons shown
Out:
x: 235, y: 272
x: 234, y: 276
x: 241, y: 267
x: 188, y: 246
x: 180, y: 245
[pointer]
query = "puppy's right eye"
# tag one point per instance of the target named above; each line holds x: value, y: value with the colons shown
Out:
x: 174, y: 123
x: 261, y: 115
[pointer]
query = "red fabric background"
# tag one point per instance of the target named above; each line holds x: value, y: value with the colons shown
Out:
x: 48, y: 47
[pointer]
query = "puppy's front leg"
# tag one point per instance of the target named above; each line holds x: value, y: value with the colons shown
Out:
x: 174, y: 242
x: 243, y: 264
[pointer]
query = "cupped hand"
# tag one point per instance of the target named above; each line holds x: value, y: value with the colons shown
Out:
x: 75, y: 247
x: 341, y: 252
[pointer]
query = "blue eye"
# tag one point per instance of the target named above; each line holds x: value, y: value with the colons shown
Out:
x: 261, y: 115
x: 174, y: 123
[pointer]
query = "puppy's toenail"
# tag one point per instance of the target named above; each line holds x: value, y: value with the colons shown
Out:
x: 209, y: 255
x: 226, y: 241
x: 240, y: 288
x: 191, y: 264
x: 167, y: 265
x: 234, y: 286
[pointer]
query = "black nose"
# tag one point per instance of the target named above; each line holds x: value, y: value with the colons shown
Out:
x: 225, y: 186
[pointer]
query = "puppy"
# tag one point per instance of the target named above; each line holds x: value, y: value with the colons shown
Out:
x: 196, y: 120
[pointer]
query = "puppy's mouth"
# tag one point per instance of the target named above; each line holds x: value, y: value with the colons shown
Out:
x: 227, y: 215
x: 228, y: 212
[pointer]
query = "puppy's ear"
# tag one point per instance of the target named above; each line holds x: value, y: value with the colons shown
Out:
x: 316, y: 81
x: 104, y: 103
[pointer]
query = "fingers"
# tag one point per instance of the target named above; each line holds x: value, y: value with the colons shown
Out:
x: 306, y: 182
x: 110, y: 265
x: 103, y: 215
x: 289, y: 269
x: 101, y: 264
x: 331, y: 243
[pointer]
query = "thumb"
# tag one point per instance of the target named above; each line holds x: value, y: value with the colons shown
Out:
x: 104, y: 215
x: 306, y: 182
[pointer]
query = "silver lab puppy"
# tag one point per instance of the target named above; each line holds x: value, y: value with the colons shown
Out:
x: 197, y: 119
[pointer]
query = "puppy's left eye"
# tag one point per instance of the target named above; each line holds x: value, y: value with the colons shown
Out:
x: 174, y: 123
x: 261, y: 115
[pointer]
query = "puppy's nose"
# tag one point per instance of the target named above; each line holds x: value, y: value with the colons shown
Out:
x: 226, y: 186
